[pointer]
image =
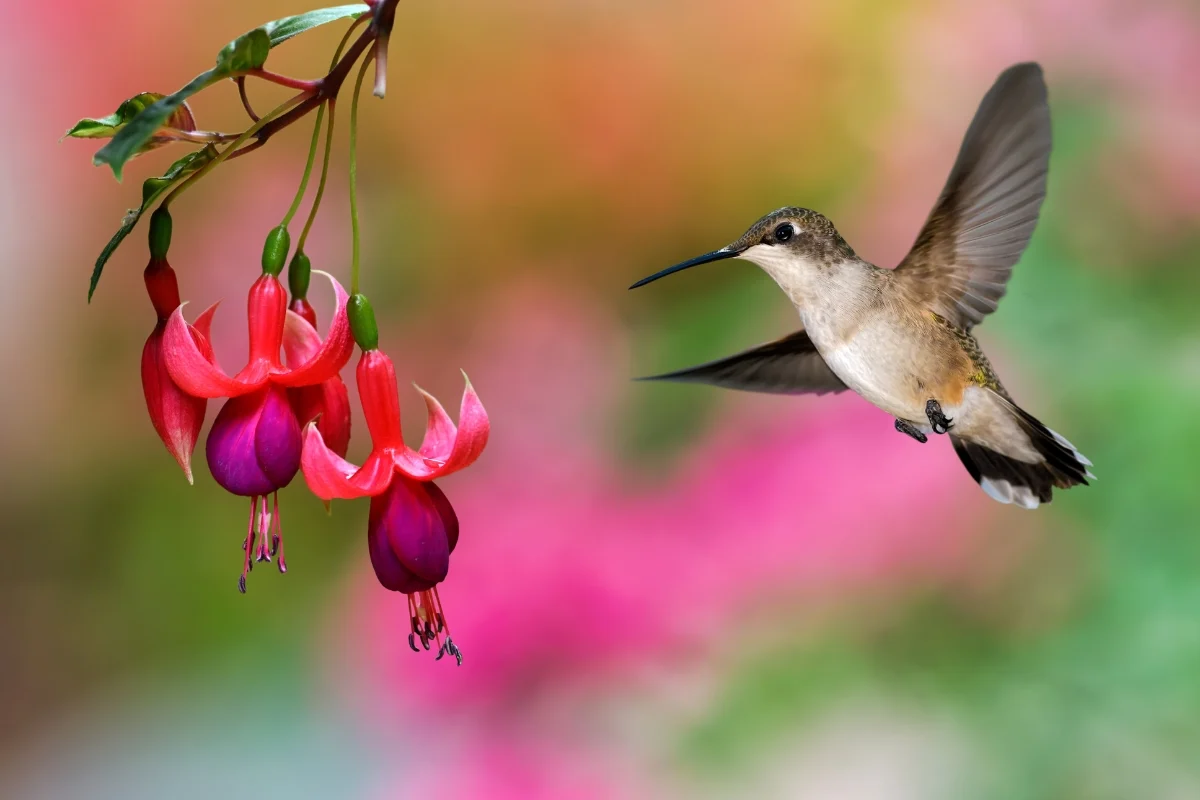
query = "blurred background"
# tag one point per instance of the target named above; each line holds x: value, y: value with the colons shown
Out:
x: 660, y: 591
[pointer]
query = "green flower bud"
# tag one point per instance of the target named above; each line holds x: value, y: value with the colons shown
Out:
x: 362, y: 322
x: 275, y: 250
x: 299, y: 275
x: 160, y: 234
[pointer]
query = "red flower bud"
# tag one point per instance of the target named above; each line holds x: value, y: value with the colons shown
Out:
x: 176, y: 415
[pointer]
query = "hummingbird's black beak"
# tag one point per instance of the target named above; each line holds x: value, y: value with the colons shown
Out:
x: 715, y: 255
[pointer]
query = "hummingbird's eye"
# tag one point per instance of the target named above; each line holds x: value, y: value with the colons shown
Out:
x: 784, y: 232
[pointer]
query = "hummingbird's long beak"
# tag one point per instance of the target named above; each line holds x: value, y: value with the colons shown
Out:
x: 715, y: 255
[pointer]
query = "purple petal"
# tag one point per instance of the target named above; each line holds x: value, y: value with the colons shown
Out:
x: 277, y: 443
x: 409, y: 520
x: 445, y: 511
x: 253, y: 447
x: 391, y: 573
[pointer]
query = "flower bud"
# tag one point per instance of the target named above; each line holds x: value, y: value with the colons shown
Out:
x: 162, y: 287
x: 275, y: 250
x: 362, y: 322
x: 299, y: 275
x: 160, y: 234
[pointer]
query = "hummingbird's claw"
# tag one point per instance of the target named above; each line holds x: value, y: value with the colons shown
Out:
x: 939, y: 421
x: 905, y: 427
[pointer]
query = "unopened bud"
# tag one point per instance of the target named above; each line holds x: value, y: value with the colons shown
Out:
x: 275, y: 250
x: 160, y: 234
x: 362, y: 322
x: 299, y: 275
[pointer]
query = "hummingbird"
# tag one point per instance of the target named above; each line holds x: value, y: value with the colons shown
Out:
x: 901, y: 338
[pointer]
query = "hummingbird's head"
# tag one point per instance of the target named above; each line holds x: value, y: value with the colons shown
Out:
x: 790, y: 239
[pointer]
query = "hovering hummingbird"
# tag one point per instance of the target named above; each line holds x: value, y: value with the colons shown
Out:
x: 901, y: 338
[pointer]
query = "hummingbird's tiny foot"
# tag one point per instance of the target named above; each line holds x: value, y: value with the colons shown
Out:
x: 905, y: 427
x: 939, y: 421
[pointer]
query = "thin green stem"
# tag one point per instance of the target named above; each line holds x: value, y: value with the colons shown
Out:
x: 312, y: 214
x: 232, y: 148
x: 354, y: 260
x: 308, y: 168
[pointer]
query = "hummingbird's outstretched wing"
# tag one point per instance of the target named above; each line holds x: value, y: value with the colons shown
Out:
x: 790, y: 365
x: 989, y: 206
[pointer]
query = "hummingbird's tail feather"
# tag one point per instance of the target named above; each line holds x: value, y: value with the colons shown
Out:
x: 1024, y: 483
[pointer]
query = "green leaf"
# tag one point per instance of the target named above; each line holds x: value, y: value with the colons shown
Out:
x: 283, y: 29
x: 106, y: 127
x: 103, y: 127
x: 152, y: 190
x: 132, y: 137
x: 248, y: 51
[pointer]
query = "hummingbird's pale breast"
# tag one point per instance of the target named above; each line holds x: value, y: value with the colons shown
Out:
x: 893, y: 355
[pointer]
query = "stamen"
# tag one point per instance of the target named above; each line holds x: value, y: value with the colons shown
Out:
x: 248, y: 546
x: 427, y: 621
x: 453, y: 650
x: 264, y: 529
x: 277, y: 538
x: 441, y: 614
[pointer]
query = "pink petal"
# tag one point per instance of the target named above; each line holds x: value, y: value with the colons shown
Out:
x: 203, y: 323
x: 328, y: 405
x: 176, y: 415
x: 190, y: 367
x: 440, y: 431
x: 334, y: 351
x: 331, y: 477
x: 300, y: 339
x: 445, y: 448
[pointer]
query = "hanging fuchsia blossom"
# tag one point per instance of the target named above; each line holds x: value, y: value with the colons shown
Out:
x: 412, y: 527
x: 254, y: 446
x: 176, y: 415
x: 411, y: 532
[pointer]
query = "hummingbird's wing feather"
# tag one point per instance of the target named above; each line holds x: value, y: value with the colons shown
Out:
x: 987, y: 211
x: 790, y: 365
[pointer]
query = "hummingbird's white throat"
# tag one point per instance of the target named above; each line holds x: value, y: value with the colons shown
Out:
x: 794, y: 271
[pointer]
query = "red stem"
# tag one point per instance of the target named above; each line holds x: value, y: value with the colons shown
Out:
x: 241, y: 83
x: 284, y: 80
x: 383, y: 15
x: 328, y: 86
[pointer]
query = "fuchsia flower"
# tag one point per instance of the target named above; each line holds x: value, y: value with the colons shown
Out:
x: 412, y: 527
x: 253, y: 449
x: 176, y: 415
